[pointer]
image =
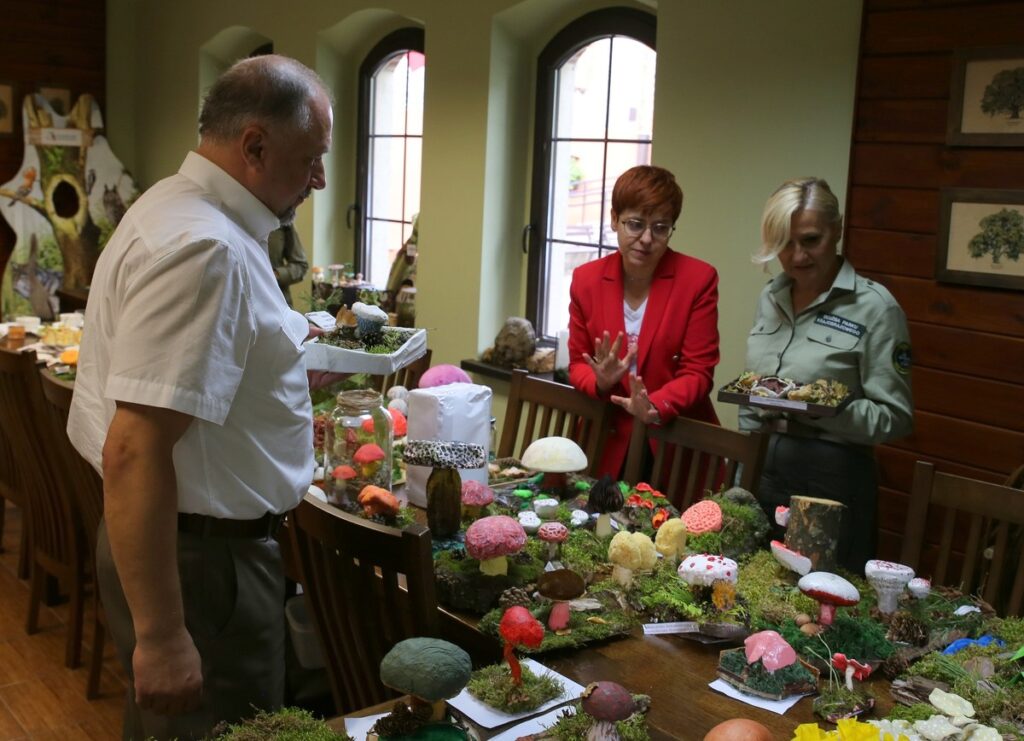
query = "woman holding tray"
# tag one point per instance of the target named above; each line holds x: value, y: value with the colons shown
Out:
x: 820, y: 319
x: 643, y: 321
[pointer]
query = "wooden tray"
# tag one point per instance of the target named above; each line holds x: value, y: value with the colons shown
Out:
x: 787, y: 405
x: 736, y: 681
x: 345, y: 360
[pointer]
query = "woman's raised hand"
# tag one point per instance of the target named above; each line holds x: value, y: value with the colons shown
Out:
x: 637, y: 402
x: 607, y: 366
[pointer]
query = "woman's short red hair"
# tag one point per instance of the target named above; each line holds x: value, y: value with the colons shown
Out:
x: 647, y: 189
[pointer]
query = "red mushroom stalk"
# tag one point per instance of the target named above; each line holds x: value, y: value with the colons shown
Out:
x: 519, y: 628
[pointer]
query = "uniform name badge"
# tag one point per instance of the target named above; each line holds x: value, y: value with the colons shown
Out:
x: 841, y: 324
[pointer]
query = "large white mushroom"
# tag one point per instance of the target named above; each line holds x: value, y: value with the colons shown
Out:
x: 830, y: 591
x: 555, y: 457
x: 792, y: 560
x: 888, y: 579
x: 705, y: 569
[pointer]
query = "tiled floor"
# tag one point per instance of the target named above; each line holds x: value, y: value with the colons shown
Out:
x: 39, y: 697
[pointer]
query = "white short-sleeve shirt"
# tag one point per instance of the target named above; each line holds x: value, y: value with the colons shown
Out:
x: 184, y: 313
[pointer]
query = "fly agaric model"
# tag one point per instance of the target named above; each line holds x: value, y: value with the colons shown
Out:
x: 519, y: 628
x: 605, y: 498
x: 475, y: 496
x: 560, y: 586
x: 491, y: 539
x: 830, y: 591
x: 704, y: 569
x: 607, y: 703
x: 792, y: 560
x: 368, y: 457
x: 429, y: 670
x: 888, y: 579
x: 703, y: 517
x: 555, y: 457
x: 919, y: 587
x: 554, y: 534
x: 852, y: 668
x: 378, y: 501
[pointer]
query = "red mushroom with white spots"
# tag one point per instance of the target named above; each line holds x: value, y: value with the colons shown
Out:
x: 554, y: 534
x: 852, y: 668
x: 705, y: 569
x: 830, y: 591
x: 491, y: 539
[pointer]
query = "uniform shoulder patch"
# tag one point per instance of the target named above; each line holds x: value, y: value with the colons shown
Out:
x: 901, y: 359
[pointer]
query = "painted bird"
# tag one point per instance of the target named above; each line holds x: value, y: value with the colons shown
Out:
x: 27, y: 181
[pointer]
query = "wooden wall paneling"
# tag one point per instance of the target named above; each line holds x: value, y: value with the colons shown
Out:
x: 939, y: 29
x: 895, y: 253
x: 971, y: 353
x: 873, y: 5
x: 915, y: 165
x: 901, y: 121
x: 895, y: 209
x: 925, y: 76
x: 896, y: 468
x: 970, y: 443
x: 993, y: 403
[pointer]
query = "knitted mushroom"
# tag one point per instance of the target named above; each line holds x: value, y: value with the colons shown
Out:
x: 491, y: 539
x: 703, y: 517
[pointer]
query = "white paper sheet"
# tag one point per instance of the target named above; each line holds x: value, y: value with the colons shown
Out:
x: 779, y: 707
x: 357, y: 728
x: 533, y: 725
x: 487, y: 717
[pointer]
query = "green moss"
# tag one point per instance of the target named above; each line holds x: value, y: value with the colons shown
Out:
x: 861, y: 638
x: 575, y: 726
x: 770, y: 591
x: 663, y: 596
x: 289, y: 724
x: 1010, y: 629
x: 704, y: 543
x: 940, y: 667
x: 912, y: 713
x: 493, y: 686
x: 583, y: 628
x: 756, y: 677
x: 522, y: 569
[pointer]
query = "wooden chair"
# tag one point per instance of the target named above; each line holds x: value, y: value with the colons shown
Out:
x: 977, y: 513
x: 11, y: 491
x: 368, y: 586
x: 57, y: 547
x: 538, y: 408
x: 409, y: 376
x: 693, y: 457
x: 83, y: 487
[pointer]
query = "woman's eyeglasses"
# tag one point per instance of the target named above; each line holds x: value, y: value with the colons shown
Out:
x: 636, y: 228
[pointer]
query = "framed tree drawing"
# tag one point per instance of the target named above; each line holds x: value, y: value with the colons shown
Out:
x: 986, y: 102
x: 981, y: 238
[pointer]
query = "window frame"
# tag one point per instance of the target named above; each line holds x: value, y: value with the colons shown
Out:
x: 607, y: 22
x: 410, y: 38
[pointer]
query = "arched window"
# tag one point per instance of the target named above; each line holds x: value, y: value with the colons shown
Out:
x: 390, y: 150
x: 595, y: 112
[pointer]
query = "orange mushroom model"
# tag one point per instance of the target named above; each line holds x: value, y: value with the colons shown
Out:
x: 368, y: 457
x: 378, y: 501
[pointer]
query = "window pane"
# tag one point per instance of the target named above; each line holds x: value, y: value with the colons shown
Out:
x: 385, y: 241
x: 389, y: 95
x: 631, y: 107
x: 413, y: 157
x: 562, y: 260
x: 387, y: 163
x: 621, y: 157
x: 581, y: 86
x: 576, y: 209
x: 417, y: 64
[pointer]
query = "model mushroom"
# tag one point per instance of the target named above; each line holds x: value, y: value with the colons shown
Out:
x: 555, y: 457
x: 554, y: 534
x: 782, y: 515
x: 629, y: 552
x: 519, y: 628
x: 919, y: 587
x: 703, y: 517
x: 491, y: 539
x: 607, y: 703
x: 605, y: 498
x: 369, y: 319
x: 704, y: 569
x: 475, y: 496
x: 852, y: 668
x: 888, y: 579
x: 791, y: 559
x: 770, y: 648
x: 429, y: 670
x: 830, y: 591
x: 560, y: 586
x: 444, y: 485
x: 378, y: 501
x: 670, y: 540
x: 368, y: 457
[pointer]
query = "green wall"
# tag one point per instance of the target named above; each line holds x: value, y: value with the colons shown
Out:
x: 749, y: 93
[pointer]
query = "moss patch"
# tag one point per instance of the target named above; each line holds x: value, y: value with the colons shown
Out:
x: 289, y: 724
x: 756, y: 677
x: 858, y: 637
x: 662, y: 596
x: 576, y: 726
x: 770, y: 591
x: 912, y: 713
x: 493, y: 686
x: 584, y: 627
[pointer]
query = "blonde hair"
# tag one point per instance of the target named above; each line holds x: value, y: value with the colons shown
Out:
x: 801, y: 194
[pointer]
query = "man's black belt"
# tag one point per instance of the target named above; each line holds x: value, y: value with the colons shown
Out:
x: 217, y: 527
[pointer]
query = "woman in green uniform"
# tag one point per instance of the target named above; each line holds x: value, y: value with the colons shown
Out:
x: 819, y: 319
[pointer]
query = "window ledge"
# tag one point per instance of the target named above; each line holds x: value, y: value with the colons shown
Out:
x: 501, y: 373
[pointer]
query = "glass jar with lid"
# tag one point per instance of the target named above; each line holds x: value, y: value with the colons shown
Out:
x: 357, y: 446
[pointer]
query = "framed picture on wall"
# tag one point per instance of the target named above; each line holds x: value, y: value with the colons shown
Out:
x: 986, y: 102
x: 981, y: 238
x: 6, y: 109
x: 59, y: 99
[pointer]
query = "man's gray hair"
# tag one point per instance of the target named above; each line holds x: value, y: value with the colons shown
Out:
x: 269, y: 89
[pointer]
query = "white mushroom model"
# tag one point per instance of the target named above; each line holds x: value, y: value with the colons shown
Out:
x: 398, y: 392
x: 919, y: 587
x: 705, y: 569
x: 792, y: 560
x: 555, y: 457
x: 830, y: 591
x: 888, y: 579
x: 629, y: 552
x: 369, y: 318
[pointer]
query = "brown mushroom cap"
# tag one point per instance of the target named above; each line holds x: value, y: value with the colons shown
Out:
x: 561, y: 584
x: 607, y: 701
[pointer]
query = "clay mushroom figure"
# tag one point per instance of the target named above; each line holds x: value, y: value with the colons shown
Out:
x: 491, y: 539
x: 605, y: 498
x: 629, y: 552
x: 888, y: 579
x: 607, y: 703
x: 560, y: 586
x: 444, y: 485
x: 368, y: 457
x: 554, y: 534
x: 475, y: 496
x: 555, y: 457
x: 670, y: 540
x: 852, y: 668
x: 919, y: 587
x: 429, y: 670
x: 519, y: 628
x: 789, y: 558
x: 830, y: 591
x: 703, y: 517
x: 770, y: 648
x: 378, y: 501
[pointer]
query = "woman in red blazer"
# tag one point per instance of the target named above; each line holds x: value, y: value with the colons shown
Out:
x: 643, y: 322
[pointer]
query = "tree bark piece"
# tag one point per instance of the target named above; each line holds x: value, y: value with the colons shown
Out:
x: 814, y: 530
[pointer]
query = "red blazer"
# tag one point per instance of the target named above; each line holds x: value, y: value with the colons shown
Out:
x: 678, y: 344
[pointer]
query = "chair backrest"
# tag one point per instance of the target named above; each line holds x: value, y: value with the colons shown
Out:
x: 539, y: 408
x: 82, y: 485
x: 408, y: 376
x: 368, y: 586
x: 55, y: 534
x: 692, y: 457
x: 978, y: 523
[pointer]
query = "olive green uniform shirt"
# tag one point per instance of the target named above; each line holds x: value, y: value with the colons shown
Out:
x: 287, y: 258
x: 854, y: 333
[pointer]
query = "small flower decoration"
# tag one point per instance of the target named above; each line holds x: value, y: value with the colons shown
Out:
x: 643, y: 487
x: 659, y: 518
x: 635, y: 500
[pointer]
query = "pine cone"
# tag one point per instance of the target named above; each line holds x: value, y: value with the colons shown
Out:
x: 905, y: 628
x: 402, y: 721
x: 894, y: 666
x: 514, y: 597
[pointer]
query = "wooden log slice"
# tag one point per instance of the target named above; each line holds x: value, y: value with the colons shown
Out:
x: 814, y: 530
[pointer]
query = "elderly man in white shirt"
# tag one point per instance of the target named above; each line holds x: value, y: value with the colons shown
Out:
x: 192, y: 400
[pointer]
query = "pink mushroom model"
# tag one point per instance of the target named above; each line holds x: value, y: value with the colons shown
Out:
x: 491, y: 539
x: 770, y: 648
x: 442, y: 375
x: 782, y: 516
x: 792, y: 560
x: 475, y: 496
x: 607, y: 703
x: 830, y: 591
x: 703, y: 517
x: 554, y: 534
x: 852, y: 668
x: 888, y: 579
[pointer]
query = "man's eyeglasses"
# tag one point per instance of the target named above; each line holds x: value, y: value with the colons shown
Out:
x: 636, y: 228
